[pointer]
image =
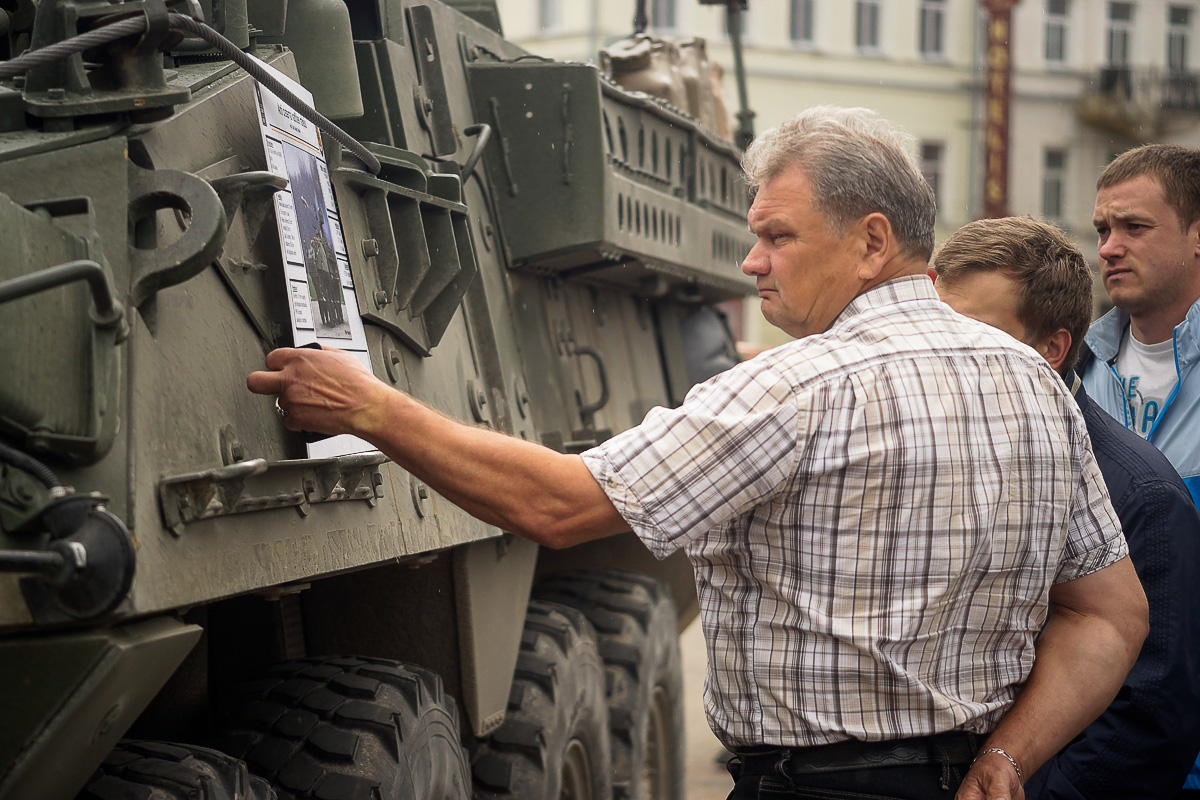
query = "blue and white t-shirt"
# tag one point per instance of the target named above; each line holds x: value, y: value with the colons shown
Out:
x: 1148, y: 377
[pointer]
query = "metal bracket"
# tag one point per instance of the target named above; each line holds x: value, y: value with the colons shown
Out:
x: 587, y: 411
x: 256, y: 485
x: 156, y: 268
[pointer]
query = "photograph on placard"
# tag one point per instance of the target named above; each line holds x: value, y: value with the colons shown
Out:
x: 326, y: 296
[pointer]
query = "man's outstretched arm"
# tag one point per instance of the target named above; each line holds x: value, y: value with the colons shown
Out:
x: 1091, y: 638
x: 516, y: 485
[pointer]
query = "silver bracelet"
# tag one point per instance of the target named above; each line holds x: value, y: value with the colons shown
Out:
x: 1011, y: 760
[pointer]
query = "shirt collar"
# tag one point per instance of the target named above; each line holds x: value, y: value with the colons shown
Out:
x: 910, y: 288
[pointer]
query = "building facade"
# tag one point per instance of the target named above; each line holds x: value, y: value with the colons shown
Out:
x: 1089, y: 79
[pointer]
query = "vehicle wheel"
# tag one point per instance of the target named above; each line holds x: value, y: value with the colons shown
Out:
x: 348, y: 728
x: 137, y: 770
x: 636, y: 627
x: 553, y: 744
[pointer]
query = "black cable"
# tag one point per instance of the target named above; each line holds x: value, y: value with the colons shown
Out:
x: 29, y: 464
x: 69, y: 47
x: 255, y: 68
x: 258, y: 71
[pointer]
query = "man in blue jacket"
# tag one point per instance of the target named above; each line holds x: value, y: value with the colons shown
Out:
x: 1140, y: 363
x: 1024, y: 277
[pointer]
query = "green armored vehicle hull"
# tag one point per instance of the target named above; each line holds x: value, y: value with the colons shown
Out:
x: 191, y: 595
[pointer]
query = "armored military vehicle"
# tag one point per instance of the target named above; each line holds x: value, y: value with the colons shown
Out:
x: 197, y: 602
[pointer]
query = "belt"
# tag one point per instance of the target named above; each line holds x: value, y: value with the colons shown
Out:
x: 956, y: 747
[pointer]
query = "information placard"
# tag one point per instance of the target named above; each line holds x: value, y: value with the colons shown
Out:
x: 320, y: 288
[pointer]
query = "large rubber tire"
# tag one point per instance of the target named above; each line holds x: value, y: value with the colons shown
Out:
x: 635, y: 621
x: 554, y: 741
x: 349, y: 728
x: 137, y: 770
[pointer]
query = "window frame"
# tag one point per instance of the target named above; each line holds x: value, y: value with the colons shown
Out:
x: 934, y: 168
x: 1179, y: 39
x: 861, y: 9
x: 803, y: 23
x: 932, y: 13
x: 671, y: 10
x: 1120, y: 31
x: 1054, y: 181
x: 549, y: 16
x: 1055, y: 32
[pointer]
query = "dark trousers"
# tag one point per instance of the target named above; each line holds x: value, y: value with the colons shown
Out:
x: 922, y: 768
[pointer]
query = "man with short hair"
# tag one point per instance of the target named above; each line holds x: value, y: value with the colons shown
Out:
x: 1025, y: 278
x: 880, y: 514
x: 1141, y: 359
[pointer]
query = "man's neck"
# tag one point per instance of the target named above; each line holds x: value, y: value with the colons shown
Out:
x: 899, y: 267
x: 1156, y: 327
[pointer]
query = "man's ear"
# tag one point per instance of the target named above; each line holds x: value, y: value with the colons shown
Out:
x: 878, y: 244
x: 1055, y: 348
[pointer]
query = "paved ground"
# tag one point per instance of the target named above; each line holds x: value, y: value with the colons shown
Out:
x: 706, y: 779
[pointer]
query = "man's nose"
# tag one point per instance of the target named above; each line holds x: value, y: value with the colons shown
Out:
x: 755, y: 262
x: 1112, y: 247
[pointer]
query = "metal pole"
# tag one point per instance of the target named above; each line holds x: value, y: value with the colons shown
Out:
x: 745, y: 131
x: 640, y: 20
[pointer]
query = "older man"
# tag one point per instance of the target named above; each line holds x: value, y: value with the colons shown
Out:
x: 1025, y: 278
x: 877, y: 513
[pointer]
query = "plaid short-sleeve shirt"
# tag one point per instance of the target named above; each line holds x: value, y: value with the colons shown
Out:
x: 875, y: 515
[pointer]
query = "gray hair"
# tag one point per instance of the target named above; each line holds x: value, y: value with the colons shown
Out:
x: 858, y: 164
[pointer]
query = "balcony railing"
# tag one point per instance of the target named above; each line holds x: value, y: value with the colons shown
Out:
x: 1141, y: 103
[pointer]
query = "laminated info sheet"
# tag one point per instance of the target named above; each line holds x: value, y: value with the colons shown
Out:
x: 320, y: 288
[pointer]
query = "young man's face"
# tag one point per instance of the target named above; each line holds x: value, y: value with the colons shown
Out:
x: 1149, y: 264
x: 989, y: 297
x: 805, y: 275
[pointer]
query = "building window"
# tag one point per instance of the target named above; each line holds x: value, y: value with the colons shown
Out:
x: 1056, y: 31
x: 1054, y: 178
x: 549, y: 15
x: 802, y: 21
x: 866, y: 25
x: 1120, y: 32
x: 933, y: 21
x: 1179, y: 29
x: 932, y: 155
x: 662, y: 14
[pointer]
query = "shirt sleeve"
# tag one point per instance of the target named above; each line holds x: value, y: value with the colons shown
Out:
x: 730, y: 447
x: 1094, y: 537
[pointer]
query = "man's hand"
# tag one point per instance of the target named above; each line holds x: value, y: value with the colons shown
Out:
x: 992, y: 777
x: 323, y: 391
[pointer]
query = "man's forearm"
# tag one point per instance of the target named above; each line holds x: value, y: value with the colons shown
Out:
x: 508, y: 482
x: 513, y: 484
x: 1091, y: 639
x: 1083, y: 656
x: 1080, y: 664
